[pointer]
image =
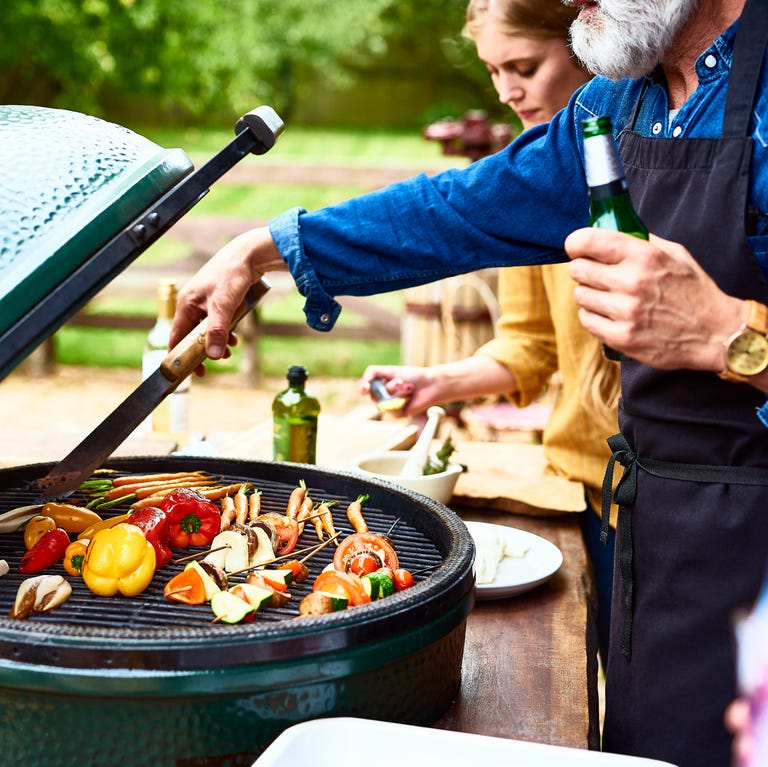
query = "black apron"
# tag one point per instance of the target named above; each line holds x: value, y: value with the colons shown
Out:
x: 692, y: 539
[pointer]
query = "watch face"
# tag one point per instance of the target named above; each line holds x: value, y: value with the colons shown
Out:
x: 748, y: 353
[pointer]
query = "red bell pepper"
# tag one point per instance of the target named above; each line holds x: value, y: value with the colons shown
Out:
x: 193, y: 520
x: 48, y: 550
x: 153, y: 522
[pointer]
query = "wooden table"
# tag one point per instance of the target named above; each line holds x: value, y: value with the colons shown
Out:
x: 529, y: 670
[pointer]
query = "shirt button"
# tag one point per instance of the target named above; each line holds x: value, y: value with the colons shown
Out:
x: 325, y: 319
x: 656, y: 129
x: 710, y: 61
x: 677, y: 131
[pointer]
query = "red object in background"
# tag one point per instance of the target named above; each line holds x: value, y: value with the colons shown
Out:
x: 473, y: 136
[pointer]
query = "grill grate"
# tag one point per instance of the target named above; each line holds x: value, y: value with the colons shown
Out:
x: 422, y: 532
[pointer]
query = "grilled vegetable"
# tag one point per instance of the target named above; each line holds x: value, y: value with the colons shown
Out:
x: 355, y: 514
x: 155, y: 525
x: 378, y: 585
x: 214, y: 579
x: 74, y: 556
x: 235, y: 547
x: 103, y: 524
x: 343, y: 585
x: 187, y: 586
x: 365, y: 543
x: 73, y: 519
x: 36, y: 528
x: 403, y: 579
x: 286, y: 529
x: 295, y: 499
x: 255, y: 595
x: 48, y: 550
x: 193, y: 520
x: 229, y: 608
x: 227, y: 512
x: 278, y: 597
x: 40, y: 594
x: 299, y: 571
x: 4, y: 568
x: 320, y: 603
x: 119, y: 560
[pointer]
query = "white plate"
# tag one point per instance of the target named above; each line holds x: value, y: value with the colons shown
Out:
x: 348, y: 740
x: 516, y: 575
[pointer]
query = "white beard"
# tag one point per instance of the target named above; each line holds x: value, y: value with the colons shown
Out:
x: 626, y: 38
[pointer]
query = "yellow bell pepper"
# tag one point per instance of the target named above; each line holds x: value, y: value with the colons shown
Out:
x: 36, y: 528
x: 119, y: 559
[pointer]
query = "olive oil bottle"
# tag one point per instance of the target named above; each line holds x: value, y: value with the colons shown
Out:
x: 294, y: 420
x: 609, y: 204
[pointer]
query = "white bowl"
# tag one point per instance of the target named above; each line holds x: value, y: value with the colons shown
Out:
x: 388, y: 464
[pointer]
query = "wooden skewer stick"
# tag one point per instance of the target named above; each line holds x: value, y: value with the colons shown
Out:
x: 312, y: 549
x: 178, y: 591
x: 200, y: 554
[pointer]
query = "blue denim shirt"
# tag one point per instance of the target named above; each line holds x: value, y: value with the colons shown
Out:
x: 514, y: 207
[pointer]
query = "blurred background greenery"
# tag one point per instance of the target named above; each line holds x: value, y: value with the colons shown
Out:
x: 355, y: 81
x: 372, y: 63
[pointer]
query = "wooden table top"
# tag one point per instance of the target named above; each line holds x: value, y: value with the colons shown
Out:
x: 529, y: 670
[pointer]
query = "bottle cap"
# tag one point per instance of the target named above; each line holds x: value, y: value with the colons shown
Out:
x: 296, y: 374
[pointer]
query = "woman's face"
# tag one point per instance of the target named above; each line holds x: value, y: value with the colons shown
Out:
x: 534, y: 75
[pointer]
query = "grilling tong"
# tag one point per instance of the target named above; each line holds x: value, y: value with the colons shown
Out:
x: 255, y: 132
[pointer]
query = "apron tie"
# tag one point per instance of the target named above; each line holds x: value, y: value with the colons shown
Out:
x: 624, y: 496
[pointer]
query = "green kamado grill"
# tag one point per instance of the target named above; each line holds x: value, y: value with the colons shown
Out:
x: 143, y: 680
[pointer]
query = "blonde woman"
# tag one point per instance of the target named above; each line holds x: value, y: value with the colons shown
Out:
x: 524, y: 45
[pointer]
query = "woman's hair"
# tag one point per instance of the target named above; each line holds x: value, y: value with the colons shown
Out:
x: 532, y: 18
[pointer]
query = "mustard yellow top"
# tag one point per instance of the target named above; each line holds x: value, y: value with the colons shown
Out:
x: 537, y: 334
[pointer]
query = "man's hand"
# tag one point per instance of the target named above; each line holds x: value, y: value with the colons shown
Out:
x: 651, y: 300
x: 220, y: 286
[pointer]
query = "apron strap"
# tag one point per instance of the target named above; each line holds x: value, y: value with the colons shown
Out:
x: 624, y: 496
x: 748, y: 53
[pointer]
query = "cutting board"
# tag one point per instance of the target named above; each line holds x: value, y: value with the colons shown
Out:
x: 511, y: 476
x: 340, y: 439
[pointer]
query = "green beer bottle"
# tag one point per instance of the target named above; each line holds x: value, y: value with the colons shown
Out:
x: 294, y: 420
x: 609, y: 203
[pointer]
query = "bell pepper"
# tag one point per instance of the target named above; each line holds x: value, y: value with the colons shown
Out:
x: 119, y: 559
x: 74, y: 556
x: 103, y: 524
x: 36, y: 528
x: 187, y: 586
x: 46, y: 552
x: 154, y: 523
x: 193, y: 520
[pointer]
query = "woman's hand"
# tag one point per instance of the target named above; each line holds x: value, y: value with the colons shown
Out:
x: 414, y: 384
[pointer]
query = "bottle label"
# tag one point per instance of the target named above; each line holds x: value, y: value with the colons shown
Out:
x: 601, y: 161
x: 294, y: 440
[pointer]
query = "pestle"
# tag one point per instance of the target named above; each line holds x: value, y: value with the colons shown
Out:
x: 417, y: 456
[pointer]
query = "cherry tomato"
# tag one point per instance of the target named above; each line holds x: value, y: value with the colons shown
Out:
x: 358, y: 543
x: 402, y: 579
x: 343, y: 584
x: 287, y: 529
x: 363, y: 563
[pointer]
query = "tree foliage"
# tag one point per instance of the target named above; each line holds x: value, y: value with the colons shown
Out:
x: 195, y: 58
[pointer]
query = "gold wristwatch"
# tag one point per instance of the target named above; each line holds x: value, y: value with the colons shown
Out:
x: 746, y: 351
